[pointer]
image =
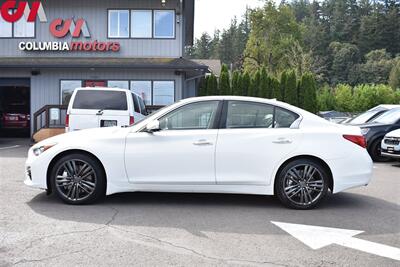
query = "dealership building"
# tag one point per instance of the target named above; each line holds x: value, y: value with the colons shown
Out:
x: 49, y: 48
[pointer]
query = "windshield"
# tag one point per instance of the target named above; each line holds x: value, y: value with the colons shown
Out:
x: 150, y: 116
x: 389, y: 117
x: 364, y: 117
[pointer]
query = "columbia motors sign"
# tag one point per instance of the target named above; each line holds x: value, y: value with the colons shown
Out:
x: 11, y: 12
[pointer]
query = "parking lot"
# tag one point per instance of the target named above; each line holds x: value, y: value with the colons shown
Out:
x: 156, y: 229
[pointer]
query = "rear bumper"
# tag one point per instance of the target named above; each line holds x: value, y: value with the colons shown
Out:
x: 351, y: 172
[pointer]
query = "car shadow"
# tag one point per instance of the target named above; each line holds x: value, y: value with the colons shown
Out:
x: 246, y: 214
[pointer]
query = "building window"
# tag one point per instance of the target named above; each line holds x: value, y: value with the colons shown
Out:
x: 143, y: 89
x: 20, y: 29
x: 67, y: 88
x: 164, y: 24
x: 118, y: 84
x: 118, y: 23
x: 141, y: 23
x: 163, y: 93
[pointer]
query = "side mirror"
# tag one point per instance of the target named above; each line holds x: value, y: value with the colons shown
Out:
x: 153, y: 126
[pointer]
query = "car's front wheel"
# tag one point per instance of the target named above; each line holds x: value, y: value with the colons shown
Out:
x: 302, y: 184
x: 375, y: 151
x: 78, y: 179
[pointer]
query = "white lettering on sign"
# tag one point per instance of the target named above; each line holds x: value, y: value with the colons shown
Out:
x: 43, y: 46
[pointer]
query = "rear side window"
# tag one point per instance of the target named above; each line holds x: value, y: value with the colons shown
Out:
x: 142, y: 107
x: 96, y: 99
x: 284, y: 118
x: 136, y: 103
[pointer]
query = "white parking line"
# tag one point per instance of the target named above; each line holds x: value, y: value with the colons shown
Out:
x: 9, y: 147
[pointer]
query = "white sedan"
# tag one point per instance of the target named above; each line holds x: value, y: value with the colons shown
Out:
x: 220, y: 144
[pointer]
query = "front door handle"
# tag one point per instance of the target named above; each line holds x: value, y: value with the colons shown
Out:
x: 202, y: 142
x: 282, y: 141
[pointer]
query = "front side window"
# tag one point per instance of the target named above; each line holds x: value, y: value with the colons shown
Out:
x: 143, y: 89
x: 164, y: 24
x: 249, y: 115
x: 118, y: 84
x: 141, y: 23
x: 67, y: 88
x: 100, y: 100
x: 118, y: 23
x: 163, y: 93
x: 195, y: 116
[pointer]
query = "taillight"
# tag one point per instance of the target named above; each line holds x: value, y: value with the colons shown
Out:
x: 131, y: 120
x: 67, y: 120
x: 356, y: 139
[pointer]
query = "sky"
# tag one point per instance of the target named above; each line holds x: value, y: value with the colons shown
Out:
x: 217, y: 14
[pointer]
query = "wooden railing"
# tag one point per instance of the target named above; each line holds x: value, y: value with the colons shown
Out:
x: 151, y: 109
x: 49, y: 116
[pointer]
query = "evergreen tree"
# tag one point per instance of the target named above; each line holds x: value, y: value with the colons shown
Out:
x: 283, y: 83
x: 291, y: 95
x: 255, y: 84
x: 236, y: 83
x: 224, y: 81
x: 212, y: 85
x: 203, y: 86
x: 276, y: 89
x: 245, y: 84
x: 309, y: 86
x: 264, y: 87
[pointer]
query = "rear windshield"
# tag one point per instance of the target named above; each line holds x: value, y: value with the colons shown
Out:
x: 95, y: 99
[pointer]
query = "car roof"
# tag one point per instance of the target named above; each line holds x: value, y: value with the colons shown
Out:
x: 107, y: 89
x: 384, y: 107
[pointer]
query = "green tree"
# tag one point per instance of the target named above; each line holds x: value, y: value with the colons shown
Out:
x: 291, y: 94
x: 273, y: 30
x: 224, y: 81
x: 344, y: 57
x: 325, y: 99
x: 367, y: 96
x: 245, y: 84
x: 255, y: 84
x: 203, y: 86
x: 212, y: 85
x: 344, y: 98
x: 265, y: 84
x: 276, y: 89
x: 394, y: 77
x: 283, y: 84
x: 308, y: 85
x: 236, y: 83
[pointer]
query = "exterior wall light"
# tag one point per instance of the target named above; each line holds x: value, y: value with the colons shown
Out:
x: 163, y: 2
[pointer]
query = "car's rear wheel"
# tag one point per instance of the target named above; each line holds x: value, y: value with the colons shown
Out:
x: 78, y: 179
x: 375, y: 151
x: 302, y: 184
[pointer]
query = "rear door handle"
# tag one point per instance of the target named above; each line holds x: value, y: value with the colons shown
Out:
x: 282, y: 141
x: 202, y: 142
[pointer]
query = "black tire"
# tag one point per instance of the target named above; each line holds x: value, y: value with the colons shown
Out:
x: 291, y: 185
x: 88, y: 181
x: 375, y: 151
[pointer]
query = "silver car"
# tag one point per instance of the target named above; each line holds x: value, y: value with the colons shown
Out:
x: 391, y: 145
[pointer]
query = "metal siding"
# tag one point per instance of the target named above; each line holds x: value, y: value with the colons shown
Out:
x: 95, y: 13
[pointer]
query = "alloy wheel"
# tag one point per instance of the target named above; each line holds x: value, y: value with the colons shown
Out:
x: 76, y: 180
x: 303, y: 184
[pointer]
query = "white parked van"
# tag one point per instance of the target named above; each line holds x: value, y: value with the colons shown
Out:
x: 103, y: 107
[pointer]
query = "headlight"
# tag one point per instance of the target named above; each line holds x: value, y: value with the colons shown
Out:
x: 364, y: 131
x: 39, y: 150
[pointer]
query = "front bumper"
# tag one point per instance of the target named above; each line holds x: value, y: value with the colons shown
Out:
x: 36, y: 170
x: 390, y: 147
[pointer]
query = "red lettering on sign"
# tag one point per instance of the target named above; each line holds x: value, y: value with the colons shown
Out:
x: 21, y: 9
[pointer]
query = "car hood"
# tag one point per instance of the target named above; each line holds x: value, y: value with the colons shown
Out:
x: 84, y: 135
x: 395, y: 133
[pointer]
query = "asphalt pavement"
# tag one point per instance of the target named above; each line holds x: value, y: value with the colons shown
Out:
x: 153, y: 229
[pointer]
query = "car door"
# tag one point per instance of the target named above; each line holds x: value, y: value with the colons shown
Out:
x: 182, y: 152
x: 253, y: 139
